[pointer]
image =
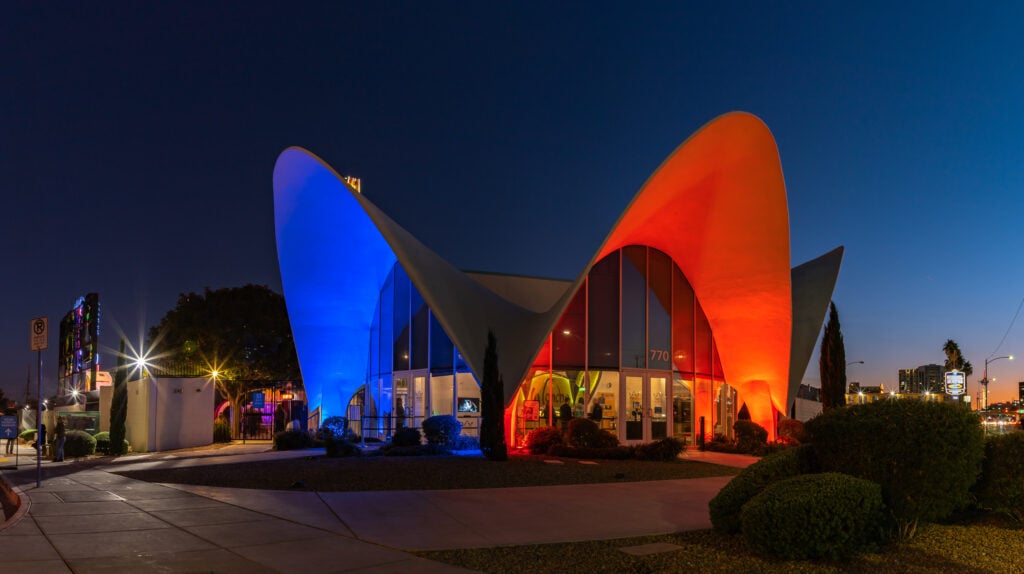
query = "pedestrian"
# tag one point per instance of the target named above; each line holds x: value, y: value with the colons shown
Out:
x: 565, y: 413
x: 61, y: 437
x: 40, y: 443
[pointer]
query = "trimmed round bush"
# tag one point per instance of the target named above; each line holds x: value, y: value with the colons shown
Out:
x: 28, y: 435
x: 541, y: 439
x: 406, y: 436
x: 925, y: 455
x: 441, y: 429
x: 103, y: 443
x: 726, y: 506
x: 664, y: 450
x: 1001, y: 486
x: 750, y: 437
x: 78, y: 444
x: 831, y: 515
x: 585, y: 433
x: 792, y: 431
x: 292, y: 440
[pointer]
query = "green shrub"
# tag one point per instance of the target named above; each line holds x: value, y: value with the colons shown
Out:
x: 666, y: 449
x: 338, y: 447
x: 442, y: 429
x: 925, y: 455
x: 103, y: 443
x: 338, y: 427
x: 221, y: 431
x: 541, y: 439
x: 292, y: 440
x: 28, y: 435
x: 1001, y: 486
x: 585, y: 433
x: 751, y: 438
x: 78, y: 444
x: 831, y: 516
x: 406, y: 436
x: 607, y: 453
x: 792, y: 431
x: 726, y: 506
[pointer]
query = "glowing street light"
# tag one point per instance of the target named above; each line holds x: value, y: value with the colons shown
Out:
x: 984, y: 380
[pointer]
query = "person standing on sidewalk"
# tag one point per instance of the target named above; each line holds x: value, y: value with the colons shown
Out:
x: 61, y: 436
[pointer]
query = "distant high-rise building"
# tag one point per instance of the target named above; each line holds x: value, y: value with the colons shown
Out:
x: 1020, y: 392
x: 906, y: 378
x: 926, y: 378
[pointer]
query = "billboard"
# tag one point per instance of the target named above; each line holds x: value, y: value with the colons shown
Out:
x: 956, y: 383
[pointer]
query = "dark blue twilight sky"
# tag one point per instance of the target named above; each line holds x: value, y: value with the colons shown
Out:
x: 137, y: 143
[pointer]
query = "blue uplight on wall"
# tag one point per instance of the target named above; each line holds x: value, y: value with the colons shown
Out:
x: 333, y: 262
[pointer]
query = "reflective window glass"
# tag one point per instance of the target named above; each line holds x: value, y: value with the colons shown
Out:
x: 603, y: 313
x: 634, y: 307
x: 386, y: 350
x: 401, y: 320
x: 702, y: 342
x: 568, y: 336
x: 682, y: 322
x: 440, y: 349
x: 420, y: 330
x: 659, y: 306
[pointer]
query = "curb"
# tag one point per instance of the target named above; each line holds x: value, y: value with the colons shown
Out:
x: 12, y: 496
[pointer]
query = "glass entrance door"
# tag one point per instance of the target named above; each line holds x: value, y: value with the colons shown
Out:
x: 645, y: 406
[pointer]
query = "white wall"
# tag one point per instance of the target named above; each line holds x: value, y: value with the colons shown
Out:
x: 168, y: 414
x: 807, y: 409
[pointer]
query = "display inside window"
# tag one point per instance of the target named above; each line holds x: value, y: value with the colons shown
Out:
x: 469, y: 405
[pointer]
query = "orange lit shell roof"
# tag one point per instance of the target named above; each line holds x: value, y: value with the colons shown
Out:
x: 717, y: 206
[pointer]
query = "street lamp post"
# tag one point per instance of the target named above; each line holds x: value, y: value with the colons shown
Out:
x: 984, y: 380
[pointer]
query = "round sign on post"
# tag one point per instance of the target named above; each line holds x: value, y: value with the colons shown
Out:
x: 39, y: 328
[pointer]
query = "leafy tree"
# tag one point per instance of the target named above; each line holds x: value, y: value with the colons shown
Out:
x: 119, y: 404
x: 832, y: 363
x: 241, y: 334
x: 492, y: 413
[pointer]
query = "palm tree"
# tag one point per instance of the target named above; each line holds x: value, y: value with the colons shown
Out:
x: 955, y: 359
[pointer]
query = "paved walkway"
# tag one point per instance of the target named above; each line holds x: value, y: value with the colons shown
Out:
x: 91, y: 520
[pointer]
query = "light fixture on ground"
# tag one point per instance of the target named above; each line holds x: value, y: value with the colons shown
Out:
x: 984, y: 379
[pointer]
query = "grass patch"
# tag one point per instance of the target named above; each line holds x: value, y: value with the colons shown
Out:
x: 970, y: 548
x: 424, y: 473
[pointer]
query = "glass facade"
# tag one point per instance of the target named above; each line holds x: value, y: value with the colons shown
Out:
x: 632, y: 351
x: 648, y: 367
x: 413, y: 369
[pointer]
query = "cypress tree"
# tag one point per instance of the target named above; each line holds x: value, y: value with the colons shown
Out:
x: 492, y: 413
x: 832, y: 363
x: 119, y: 404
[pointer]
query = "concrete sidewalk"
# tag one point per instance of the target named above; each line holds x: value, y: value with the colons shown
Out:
x: 92, y: 520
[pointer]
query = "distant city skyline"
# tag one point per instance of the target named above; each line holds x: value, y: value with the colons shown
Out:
x: 138, y: 143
